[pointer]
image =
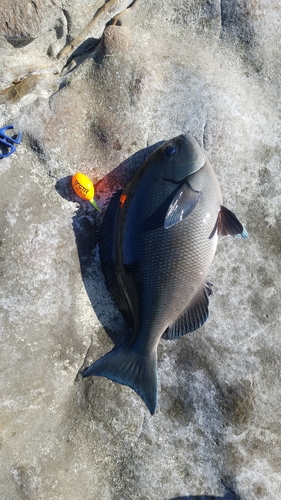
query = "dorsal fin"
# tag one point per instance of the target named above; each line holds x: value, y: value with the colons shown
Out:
x: 106, y: 248
x: 193, y: 317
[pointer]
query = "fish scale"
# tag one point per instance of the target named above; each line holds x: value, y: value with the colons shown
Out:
x: 156, y: 246
x: 184, y: 264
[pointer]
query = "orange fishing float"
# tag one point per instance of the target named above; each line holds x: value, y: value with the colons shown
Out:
x: 84, y: 188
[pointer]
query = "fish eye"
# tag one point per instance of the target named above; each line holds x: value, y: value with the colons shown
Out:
x: 170, y: 150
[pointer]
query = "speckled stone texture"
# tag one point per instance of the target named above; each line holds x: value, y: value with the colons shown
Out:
x: 95, y: 86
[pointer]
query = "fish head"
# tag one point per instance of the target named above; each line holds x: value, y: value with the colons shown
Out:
x: 181, y: 157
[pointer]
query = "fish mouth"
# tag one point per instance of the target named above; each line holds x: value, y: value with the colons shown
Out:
x: 185, y: 139
x: 180, y: 140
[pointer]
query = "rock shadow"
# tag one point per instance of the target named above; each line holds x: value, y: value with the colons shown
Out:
x: 81, y: 53
x: 86, y: 223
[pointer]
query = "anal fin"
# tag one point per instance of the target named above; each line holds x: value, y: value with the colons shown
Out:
x: 193, y: 317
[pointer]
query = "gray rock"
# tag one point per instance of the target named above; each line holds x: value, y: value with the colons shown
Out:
x: 97, y: 105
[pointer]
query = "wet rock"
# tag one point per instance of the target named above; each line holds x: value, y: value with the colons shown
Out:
x: 22, y: 22
x: 137, y: 73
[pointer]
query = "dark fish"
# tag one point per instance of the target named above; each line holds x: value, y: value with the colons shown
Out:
x: 229, y: 495
x: 157, y: 243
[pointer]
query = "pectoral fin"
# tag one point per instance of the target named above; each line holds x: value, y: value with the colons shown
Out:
x: 228, y: 224
x: 182, y: 205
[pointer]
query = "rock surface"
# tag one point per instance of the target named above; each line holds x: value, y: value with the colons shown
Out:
x: 95, y: 97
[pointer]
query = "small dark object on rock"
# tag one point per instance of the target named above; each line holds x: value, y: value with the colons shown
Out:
x: 7, y: 143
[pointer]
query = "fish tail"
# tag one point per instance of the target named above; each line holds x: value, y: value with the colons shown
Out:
x: 128, y: 367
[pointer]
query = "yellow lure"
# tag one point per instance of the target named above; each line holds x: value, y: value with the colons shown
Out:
x: 84, y: 188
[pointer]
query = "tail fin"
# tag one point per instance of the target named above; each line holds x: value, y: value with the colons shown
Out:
x: 127, y: 367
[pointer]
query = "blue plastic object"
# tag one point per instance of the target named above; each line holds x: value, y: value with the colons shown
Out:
x: 8, y: 142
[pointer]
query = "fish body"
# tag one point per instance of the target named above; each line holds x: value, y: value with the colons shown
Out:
x: 157, y: 244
